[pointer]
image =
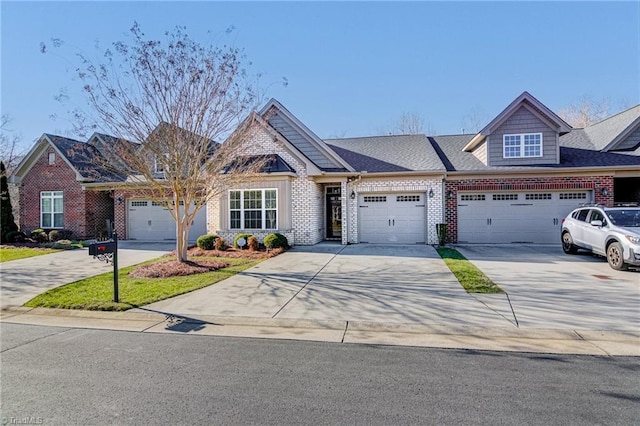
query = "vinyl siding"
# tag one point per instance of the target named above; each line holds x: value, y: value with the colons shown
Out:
x: 630, y: 141
x: 523, y: 121
x: 283, y: 188
x: 302, y: 143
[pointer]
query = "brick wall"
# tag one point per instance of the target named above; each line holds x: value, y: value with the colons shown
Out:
x: 84, y: 212
x: 595, y: 183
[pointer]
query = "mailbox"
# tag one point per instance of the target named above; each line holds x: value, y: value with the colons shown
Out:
x: 102, y: 248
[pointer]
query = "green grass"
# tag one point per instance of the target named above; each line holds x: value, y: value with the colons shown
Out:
x: 15, y: 253
x: 471, y: 278
x: 96, y: 293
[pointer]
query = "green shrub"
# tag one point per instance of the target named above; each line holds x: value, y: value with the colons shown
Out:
x: 39, y: 235
x: 253, y: 243
x: 245, y: 236
x: 54, y: 235
x: 275, y: 240
x: 220, y: 244
x: 15, y: 237
x: 206, y: 242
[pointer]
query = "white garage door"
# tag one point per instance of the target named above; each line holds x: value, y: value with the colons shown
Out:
x: 151, y: 221
x: 515, y: 217
x: 392, y: 218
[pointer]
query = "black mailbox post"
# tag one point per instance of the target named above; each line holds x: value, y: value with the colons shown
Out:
x: 108, y: 251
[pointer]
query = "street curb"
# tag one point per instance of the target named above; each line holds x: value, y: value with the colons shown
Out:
x: 504, y: 339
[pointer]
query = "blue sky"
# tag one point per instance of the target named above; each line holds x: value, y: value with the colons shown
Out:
x: 353, y: 68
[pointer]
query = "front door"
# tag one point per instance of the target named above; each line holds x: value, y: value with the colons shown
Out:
x: 334, y: 213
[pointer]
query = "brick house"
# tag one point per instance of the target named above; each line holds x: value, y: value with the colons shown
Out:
x: 50, y: 181
x: 513, y: 181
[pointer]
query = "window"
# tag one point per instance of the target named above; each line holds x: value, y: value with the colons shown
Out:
x: 52, y: 158
x: 375, y: 199
x: 408, y: 198
x: 523, y: 145
x: 51, y: 206
x: 505, y: 197
x: 538, y: 197
x: 253, y: 209
x: 573, y: 196
x: 472, y: 197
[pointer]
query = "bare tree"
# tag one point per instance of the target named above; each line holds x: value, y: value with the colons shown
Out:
x: 586, y: 111
x: 474, y: 120
x: 10, y: 150
x: 409, y: 123
x: 173, y: 99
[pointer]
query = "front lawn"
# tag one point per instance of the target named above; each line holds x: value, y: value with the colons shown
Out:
x: 471, y: 278
x: 96, y: 293
x: 8, y: 253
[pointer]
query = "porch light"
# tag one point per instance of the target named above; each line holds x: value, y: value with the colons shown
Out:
x: 604, y: 191
x: 353, y: 195
x: 450, y: 194
x: 119, y: 200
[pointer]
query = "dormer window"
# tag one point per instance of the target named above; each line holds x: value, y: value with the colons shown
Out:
x: 52, y: 158
x: 523, y: 145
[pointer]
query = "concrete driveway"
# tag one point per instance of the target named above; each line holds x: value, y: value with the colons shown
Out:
x: 21, y: 280
x: 389, y: 284
x: 549, y: 289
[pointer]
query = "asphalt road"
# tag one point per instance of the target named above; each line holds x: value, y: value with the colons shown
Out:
x: 77, y: 376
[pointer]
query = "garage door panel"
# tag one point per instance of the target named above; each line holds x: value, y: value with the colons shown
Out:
x: 392, y: 218
x: 150, y: 221
x: 515, y: 217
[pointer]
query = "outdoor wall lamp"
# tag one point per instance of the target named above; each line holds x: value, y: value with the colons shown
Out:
x: 604, y: 191
x: 450, y: 194
x: 353, y: 195
x: 119, y: 200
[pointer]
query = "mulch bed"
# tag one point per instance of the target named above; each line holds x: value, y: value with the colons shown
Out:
x: 231, y: 252
x: 173, y: 268
x: 35, y: 246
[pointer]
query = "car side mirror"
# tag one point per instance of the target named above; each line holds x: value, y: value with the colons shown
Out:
x: 597, y: 223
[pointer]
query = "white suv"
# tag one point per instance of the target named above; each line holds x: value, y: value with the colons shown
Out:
x: 613, y: 232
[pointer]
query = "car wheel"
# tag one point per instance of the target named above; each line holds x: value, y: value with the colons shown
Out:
x: 615, y: 257
x: 567, y: 244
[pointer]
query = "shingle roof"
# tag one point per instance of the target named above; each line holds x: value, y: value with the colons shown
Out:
x: 397, y: 153
x: 86, y: 159
x: 603, y: 133
x: 570, y: 156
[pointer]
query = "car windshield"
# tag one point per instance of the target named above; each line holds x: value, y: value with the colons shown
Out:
x: 627, y: 218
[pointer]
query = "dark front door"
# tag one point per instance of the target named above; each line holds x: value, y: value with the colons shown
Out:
x: 334, y: 213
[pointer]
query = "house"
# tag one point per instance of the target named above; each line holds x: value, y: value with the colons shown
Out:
x: 514, y: 181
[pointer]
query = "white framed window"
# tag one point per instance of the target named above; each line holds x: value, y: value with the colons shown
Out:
x: 253, y: 209
x: 51, y: 209
x: 52, y: 158
x: 522, y: 145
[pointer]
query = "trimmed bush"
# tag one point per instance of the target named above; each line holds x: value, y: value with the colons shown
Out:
x: 206, y: 242
x: 220, y: 244
x: 275, y: 240
x: 254, y: 244
x: 16, y: 237
x: 39, y: 235
x: 245, y: 236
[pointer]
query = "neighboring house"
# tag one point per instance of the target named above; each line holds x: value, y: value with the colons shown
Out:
x: 514, y: 181
x: 51, y: 181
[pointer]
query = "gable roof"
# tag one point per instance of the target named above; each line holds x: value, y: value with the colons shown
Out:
x: 302, y: 138
x: 571, y: 156
x: 525, y: 100
x: 610, y: 133
x: 85, y: 159
x: 382, y: 154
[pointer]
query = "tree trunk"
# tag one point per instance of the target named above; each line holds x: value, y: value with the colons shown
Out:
x: 182, y: 237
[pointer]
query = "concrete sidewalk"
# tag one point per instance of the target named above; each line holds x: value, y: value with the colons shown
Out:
x: 23, y: 279
x: 507, y: 339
